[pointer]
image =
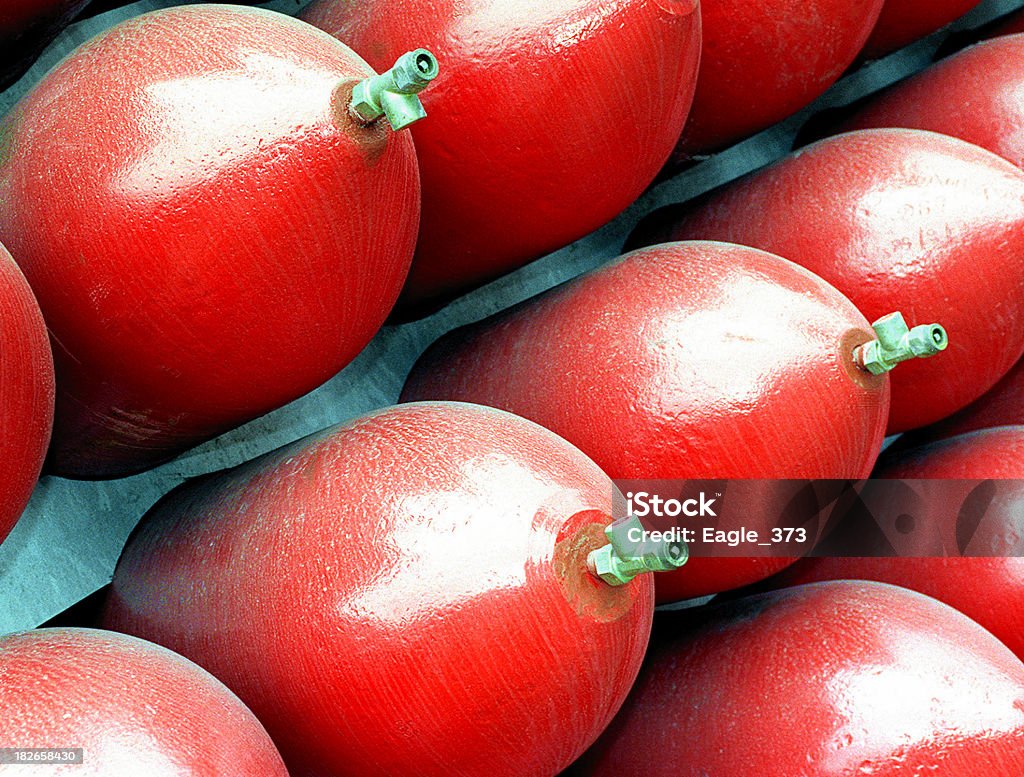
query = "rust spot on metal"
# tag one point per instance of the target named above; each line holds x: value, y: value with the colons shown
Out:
x: 849, y: 343
x: 372, y: 139
x: 588, y: 596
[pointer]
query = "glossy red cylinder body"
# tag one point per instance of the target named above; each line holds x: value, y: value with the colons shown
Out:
x: 133, y: 707
x: 904, y: 21
x: 691, y: 360
x: 26, y: 393
x: 546, y: 121
x: 986, y: 454
x: 897, y: 220
x: 226, y: 238
x: 830, y: 680
x: 26, y: 27
x: 405, y: 594
x: 991, y: 73
x: 988, y: 589
x: 1003, y: 405
x: 765, y: 61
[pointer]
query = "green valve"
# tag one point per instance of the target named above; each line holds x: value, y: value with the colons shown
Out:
x: 394, y: 94
x: 897, y: 343
x: 631, y: 552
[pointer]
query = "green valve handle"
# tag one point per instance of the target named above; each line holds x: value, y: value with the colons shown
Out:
x: 394, y: 93
x: 897, y: 343
x: 631, y: 553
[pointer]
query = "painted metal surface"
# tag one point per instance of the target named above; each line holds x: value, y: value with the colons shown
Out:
x: 896, y: 220
x: 133, y: 707
x: 765, y: 61
x: 26, y: 392
x: 990, y: 591
x: 904, y: 21
x: 1003, y: 405
x: 988, y: 586
x: 987, y: 453
x: 69, y: 539
x: 209, y: 234
x: 548, y: 119
x: 431, y: 558
x: 991, y: 73
x: 860, y: 679
x: 687, y: 360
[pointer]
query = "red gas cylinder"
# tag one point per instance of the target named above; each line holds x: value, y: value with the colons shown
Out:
x: 227, y: 236
x: 904, y: 21
x: 830, y: 680
x: 131, y: 706
x: 988, y: 588
x: 549, y: 118
x: 1003, y: 405
x: 992, y: 73
x: 896, y: 220
x: 431, y: 559
x: 688, y: 360
x: 764, y: 61
x: 26, y: 392
x: 26, y: 27
x: 986, y: 454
